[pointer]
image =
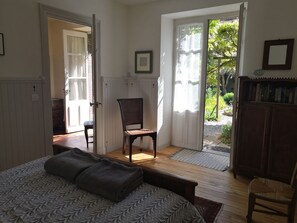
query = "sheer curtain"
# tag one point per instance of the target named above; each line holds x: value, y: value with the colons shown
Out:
x: 76, y: 69
x: 188, y: 67
x: 187, y: 84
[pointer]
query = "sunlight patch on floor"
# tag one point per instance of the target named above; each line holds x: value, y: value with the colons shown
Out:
x: 141, y: 156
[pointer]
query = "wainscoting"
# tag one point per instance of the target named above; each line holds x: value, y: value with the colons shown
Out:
x: 22, y: 115
x: 21, y: 121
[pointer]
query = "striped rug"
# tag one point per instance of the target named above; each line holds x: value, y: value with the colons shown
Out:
x: 205, y: 159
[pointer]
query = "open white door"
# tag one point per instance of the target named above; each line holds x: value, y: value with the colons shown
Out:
x: 189, y: 67
x: 97, y: 134
x: 241, y: 28
x: 76, y: 80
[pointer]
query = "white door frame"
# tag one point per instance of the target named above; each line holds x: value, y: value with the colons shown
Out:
x: 50, y: 12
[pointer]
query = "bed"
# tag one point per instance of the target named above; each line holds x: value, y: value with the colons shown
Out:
x: 30, y: 194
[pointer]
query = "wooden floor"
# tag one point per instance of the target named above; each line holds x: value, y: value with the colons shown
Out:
x: 212, y: 184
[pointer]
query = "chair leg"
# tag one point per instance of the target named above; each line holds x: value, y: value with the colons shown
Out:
x: 292, y: 209
x: 155, y: 147
x: 87, y: 137
x: 154, y: 138
x: 291, y: 213
x: 251, y: 206
x: 124, y: 142
x: 141, y: 144
x: 130, y: 149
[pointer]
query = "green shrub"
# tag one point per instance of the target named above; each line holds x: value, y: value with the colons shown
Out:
x: 210, y: 92
x: 226, y: 134
x: 210, y: 116
x: 210, y: 103
x: 228, y: 98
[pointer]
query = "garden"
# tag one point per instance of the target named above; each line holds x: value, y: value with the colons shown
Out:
x: 221, y: 68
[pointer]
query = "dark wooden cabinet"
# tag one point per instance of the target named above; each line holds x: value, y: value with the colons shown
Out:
x: 282, y: 141
x: 58, y: 115
x: 266, y: 136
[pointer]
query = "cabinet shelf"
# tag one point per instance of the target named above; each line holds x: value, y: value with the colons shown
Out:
x: 270, y: 90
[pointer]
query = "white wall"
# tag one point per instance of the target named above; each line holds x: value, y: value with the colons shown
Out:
x: 266, y: 20
x: 19, y: 21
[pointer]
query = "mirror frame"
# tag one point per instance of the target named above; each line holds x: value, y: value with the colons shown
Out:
x: 289, y: 53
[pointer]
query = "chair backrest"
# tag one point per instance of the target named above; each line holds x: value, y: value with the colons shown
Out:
x: 131, y: 111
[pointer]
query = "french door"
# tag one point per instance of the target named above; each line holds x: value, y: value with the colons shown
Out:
x: 188, y: 85
x: 191, y: 37
x: 77, y: 108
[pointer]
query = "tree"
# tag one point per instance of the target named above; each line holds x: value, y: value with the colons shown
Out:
x: 222, y: 51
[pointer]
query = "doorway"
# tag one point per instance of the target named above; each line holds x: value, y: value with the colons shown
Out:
x: 203, y: 83
x: 167, y: 70
x: 71, y: 79
x: 79, y: 23
x: 220, y: 85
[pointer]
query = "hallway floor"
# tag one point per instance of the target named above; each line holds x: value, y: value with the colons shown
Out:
x: 76, y: 139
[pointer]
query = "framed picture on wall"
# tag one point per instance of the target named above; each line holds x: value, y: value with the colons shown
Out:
x: 2, y: 52
x: 144, y: 61
x: 278, y: 54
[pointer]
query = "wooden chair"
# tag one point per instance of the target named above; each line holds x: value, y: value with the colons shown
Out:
x: 132, y: 115
x: 271, y: 191
x: 88, y: 125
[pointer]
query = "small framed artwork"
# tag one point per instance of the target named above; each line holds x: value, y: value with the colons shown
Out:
x: 144, y: 61
x: 2, y: 52
x: 278, y: 54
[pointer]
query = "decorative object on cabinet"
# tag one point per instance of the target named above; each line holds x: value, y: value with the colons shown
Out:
x: 278, y: 54
x: 143, y: 61
x: 258, y: 72
x: 58, y: 115
x: 2, y: 51
x: 266, y: 135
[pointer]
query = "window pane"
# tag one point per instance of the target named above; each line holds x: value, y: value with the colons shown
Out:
x: 188, y: 67
x: 76, y: 66
x: 76, y: 45
x: 77, y: 89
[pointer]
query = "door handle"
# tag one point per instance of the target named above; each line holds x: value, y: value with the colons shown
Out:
x: 95, y: 104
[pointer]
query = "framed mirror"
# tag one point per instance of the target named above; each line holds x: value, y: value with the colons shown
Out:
x: 278, y: 54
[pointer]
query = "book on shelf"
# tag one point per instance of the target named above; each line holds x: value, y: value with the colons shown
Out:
x: 295, y: 96
x: 270, y: 93
x: 284, y: 92
x: 258, y: 92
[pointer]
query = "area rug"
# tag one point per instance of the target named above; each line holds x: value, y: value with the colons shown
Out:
x: 208, y: 209
x: 205, y: 159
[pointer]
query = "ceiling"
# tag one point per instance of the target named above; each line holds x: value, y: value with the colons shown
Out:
x: 135, y: 2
